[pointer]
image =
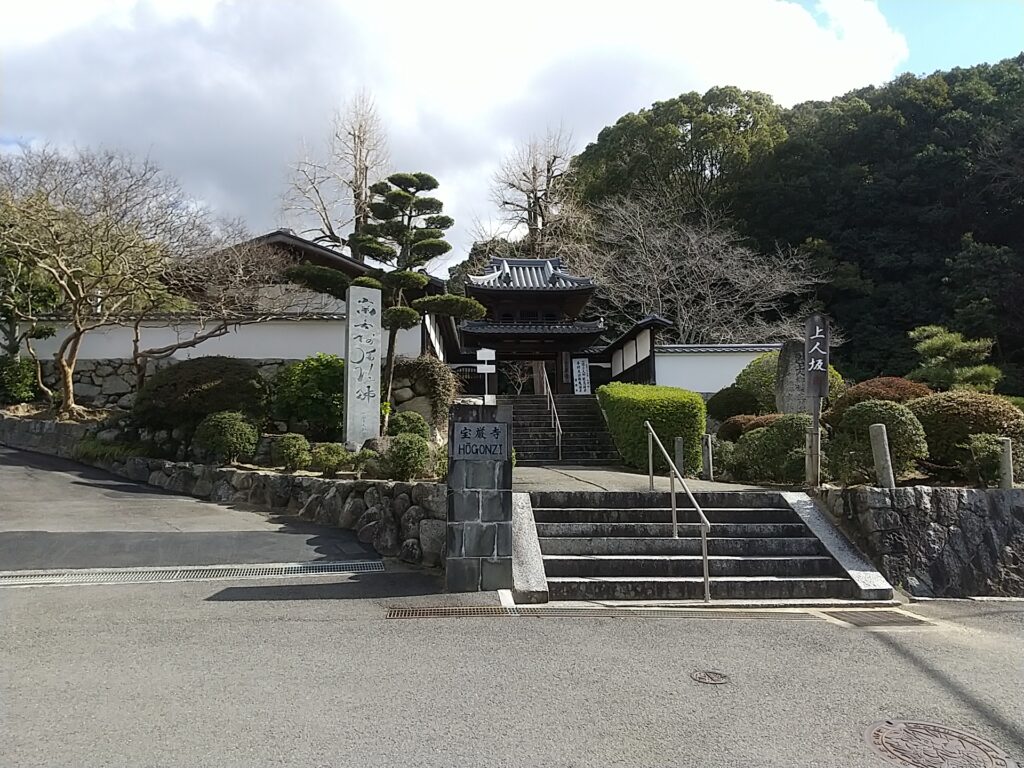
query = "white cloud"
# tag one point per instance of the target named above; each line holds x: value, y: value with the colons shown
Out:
x: 221, y: 91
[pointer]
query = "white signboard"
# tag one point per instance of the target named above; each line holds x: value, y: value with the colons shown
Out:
x: 362, y: 365
x: 485, y: 354
x: 485, y: 368
x: 581, y: 375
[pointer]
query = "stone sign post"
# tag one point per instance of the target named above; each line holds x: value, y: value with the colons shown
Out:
x: 479, y: 498
x: 817, y: 338
x: 363, y: 354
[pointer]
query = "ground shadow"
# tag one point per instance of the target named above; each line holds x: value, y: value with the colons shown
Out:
x: 981, y: 707
x: 359, y: 587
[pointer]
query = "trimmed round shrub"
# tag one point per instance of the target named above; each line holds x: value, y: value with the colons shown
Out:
x: 672, y: 413
x: 17, y: 380
x: 226, y: 435
x: 774, y: 453
x: 890, y: 388
x: 758, y: 380
x: 1017, y: 401
x: 734, y: 426
x: 291, y: 451
x: 407, y: 456
x: 949, y: 418
x: 185, y: 393
x: 365, y: 281
x: 359, y: 460
x: 731, y: 401
x: 986, y: 452
x: 409, y: 422
x: 312, y: 391
x: 329, y: 458
x: 399, y: 318
x: 850, y: 452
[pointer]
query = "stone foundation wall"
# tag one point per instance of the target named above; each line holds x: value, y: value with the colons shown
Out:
x: 940, y: 542
x: 404, y: 520
x: 111, y: 383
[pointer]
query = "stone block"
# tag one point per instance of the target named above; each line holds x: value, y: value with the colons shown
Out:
x: 367, y: 532
x: 503, y: 539
x: 115, y: 385
x: 496, y: 573
x: 404, y: 394
x: 353, y: 510
x: 411, y: 552
x: 496, y: 506
x: 203, y: 488
x: 421, y: 405
x: 478, y: 539
x: 462, y: 574
x: 433, y: 497
x: 410, y: 522
x: 455, y: 539
x: 790, y: 379
x: 432, y: 540
x: 465, y: 506
x: 481, y: 474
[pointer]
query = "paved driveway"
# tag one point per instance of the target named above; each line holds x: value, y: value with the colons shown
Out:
x: 58, y: 514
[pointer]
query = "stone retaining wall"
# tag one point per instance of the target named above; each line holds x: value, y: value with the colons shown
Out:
x: 940, y: 542
x: 404, y: 520
x: 111, y: 382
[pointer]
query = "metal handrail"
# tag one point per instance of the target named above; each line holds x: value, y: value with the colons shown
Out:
x: 705, y: 524
x: 555, y: 421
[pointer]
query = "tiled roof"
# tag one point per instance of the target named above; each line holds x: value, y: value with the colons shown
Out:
x: 700, y: 349
x: 528, y: 274
x: 484, y: 326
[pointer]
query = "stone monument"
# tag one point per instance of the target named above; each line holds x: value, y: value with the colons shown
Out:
x: 479, y: 498
x: 791, y: 379
x: 363, y: 354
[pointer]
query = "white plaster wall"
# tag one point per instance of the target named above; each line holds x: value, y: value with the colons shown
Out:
x: 616, y: 362
x: 434, y: 333
x: 629, y: 354
x: 286, y: 339
x: 705, y: 372
x: 643, y: 345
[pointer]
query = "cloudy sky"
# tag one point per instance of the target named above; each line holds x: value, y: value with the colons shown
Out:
x: 222, y: 92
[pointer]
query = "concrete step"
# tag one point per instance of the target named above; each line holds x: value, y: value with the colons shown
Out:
x: 664, y: 515
x: 603, y: 462
x: 659, y: 530
x: 688, y: 565
x: 573, y: 454
x: 647, y: 499
x: 734, y: 547
x: 692, y: 588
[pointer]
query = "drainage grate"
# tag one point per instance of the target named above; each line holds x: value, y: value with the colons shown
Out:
x: 878, y: 618
x: 183, y: 573
x: 929, y: 745
x: 590, y: 613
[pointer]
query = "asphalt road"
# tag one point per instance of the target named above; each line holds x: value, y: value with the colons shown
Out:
x: 59, y: 514
x: 310, y: 673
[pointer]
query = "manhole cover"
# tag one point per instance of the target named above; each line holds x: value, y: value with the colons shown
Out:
x: 928, y: 745
x: 710, y: 677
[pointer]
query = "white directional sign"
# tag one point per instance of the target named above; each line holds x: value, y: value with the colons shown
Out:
x: 485, y: 368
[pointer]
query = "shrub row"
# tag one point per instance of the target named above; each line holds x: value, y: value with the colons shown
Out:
x: 672, y: 413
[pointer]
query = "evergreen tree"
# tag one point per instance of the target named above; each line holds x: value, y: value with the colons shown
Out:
x: 949, y: 361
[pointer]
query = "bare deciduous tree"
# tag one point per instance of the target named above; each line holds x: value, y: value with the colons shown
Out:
x: 528, y: 188
x: 649, y: 258
x: 119, y: 242
x: 518, y: 373
x: 329, y: 192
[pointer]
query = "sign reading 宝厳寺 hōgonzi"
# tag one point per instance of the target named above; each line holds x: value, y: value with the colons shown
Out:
x: 816, y: 343
x: 479, y: 442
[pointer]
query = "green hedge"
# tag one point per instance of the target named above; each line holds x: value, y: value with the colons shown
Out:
x: 949, y: 418
x: 731, y: 401
x: 672, y: 412
x: 17, y: 380
x: 313, y: 391
x: 774, y: 453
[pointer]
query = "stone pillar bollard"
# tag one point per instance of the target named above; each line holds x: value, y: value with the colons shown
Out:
x: 479, y: 498
x: 680, y: 455
x: 881, y: 456
x: 1006, y: 464
x: 708, y: 471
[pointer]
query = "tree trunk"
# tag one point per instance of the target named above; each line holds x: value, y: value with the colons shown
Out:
x: 66, y: 359
x: 389, y: 377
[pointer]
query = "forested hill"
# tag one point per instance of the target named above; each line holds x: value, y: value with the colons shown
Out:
x: 910, y: 195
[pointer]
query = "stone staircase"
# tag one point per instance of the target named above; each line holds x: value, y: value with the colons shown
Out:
x: 585, y: 436
x: 619, y: 546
